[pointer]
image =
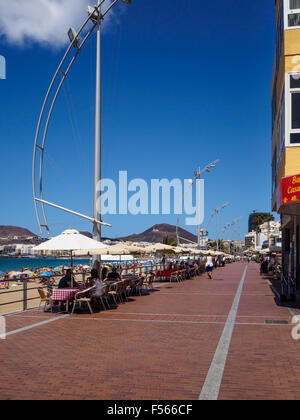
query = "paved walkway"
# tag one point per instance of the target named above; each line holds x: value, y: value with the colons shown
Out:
x: 202, y: 338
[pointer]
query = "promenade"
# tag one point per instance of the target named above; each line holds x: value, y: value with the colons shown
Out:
x: 207, y: 339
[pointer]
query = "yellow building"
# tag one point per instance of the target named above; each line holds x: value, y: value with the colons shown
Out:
x: 286, y: 131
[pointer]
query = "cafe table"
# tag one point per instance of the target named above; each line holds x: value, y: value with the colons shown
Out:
x: 64, y: 295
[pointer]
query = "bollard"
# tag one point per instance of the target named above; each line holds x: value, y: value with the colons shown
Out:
x: 25, y: 295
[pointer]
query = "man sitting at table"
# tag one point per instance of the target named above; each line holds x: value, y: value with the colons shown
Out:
x: 114, y: 275
x: 66, y: 281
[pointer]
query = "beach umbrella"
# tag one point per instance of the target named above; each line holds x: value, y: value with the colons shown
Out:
x: 28, y: 273
x: 15, y: 274
x: 161, y: 249
x: 46, y: 274
x: 69, y: 241
x: 118, y: 249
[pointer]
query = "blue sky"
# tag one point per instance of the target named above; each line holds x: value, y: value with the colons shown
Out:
x: 185, y: 82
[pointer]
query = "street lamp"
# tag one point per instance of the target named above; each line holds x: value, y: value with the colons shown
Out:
x: 216, y: 212
x: 230, y: 225
x: 198, y: 174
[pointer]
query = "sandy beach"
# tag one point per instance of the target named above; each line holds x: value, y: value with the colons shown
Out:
x: 32, y: 293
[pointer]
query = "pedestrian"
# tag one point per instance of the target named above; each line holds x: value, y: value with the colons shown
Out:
x: 209, y: 265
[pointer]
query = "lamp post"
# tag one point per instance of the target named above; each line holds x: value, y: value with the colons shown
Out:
x: 216, y: 212
x: 198, y: 174
x: 230, y: 225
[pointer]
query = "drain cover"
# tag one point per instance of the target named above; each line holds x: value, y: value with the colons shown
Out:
x: 276, y: 322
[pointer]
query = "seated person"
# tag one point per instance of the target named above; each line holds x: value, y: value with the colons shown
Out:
x: 96, y: 282
x: 66, y: 281
x: 114, y: 275
x: 104, y: 272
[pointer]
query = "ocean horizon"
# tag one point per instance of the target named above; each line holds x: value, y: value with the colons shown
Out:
x: 16, y: 264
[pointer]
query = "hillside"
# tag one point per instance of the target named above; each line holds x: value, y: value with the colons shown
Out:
x: 157, y: 233
x: 12, y: 231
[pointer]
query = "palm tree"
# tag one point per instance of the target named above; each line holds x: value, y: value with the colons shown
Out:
x: 171, y: 241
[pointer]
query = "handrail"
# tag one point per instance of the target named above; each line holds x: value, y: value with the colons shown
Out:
x: 25, y: 288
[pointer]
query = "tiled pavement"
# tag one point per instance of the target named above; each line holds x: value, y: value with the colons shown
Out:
x: 157, y: 347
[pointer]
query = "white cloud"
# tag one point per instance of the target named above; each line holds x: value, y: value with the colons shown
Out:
x: 42, y: 21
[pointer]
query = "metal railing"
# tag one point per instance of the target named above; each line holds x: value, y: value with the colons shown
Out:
x: 46, y: 283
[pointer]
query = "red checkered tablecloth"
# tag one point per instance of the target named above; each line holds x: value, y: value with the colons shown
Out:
x: 59, y: 295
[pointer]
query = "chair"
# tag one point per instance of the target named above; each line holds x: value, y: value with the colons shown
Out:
x: 45, y: 299
x: 174, y: 276
x: 124, y: 289
x: 117, y: 292
x: 150, y: 281
x: 105, y: 297
x: 81, y: 300
x: 139, y: 285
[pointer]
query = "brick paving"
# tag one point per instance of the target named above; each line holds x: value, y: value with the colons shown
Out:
x: 158, y: 346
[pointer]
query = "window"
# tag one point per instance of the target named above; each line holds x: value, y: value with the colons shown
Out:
x: 293, y: 13
x: 278, y: 139
x: 293, y: 109
x: 279, y: 43
x: 294, y: 4
x: 295, y: 138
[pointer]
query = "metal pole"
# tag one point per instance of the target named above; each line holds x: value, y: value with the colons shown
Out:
x: 97, y: 176
x: 25, y: 295
x: 199, y: 209
x: 217, y: 215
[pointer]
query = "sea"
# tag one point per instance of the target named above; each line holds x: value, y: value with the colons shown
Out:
x: 16, y: 264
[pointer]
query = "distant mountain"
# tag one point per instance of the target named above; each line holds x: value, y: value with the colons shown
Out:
x: 12, y: 231
x: 157, y: 233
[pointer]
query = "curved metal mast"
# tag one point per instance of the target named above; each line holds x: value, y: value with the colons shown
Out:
x: 94, y: 18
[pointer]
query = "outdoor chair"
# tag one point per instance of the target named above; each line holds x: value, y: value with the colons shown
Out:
x: 174, y: 276
x: 125, y: 289
x: 83, y: 299
x: 105, y: 297
x: 139, y: 285
x: 150, y: 281
x: 45, y: 299
x: 180, y: 276
x: 117, y: 292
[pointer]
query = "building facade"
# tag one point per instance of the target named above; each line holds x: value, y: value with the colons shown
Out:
x: 267, y: 236
x: 286, y: 132
x: 252, y: 224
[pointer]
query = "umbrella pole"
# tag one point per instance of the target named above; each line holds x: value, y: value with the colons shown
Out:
x: 72, y: 268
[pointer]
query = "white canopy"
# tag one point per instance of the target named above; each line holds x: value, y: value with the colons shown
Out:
x: 118, y: 249
x: 69, y: 240
x: 161, y: 248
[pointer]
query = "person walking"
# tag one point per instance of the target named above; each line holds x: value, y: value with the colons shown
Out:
x: 209, y: 266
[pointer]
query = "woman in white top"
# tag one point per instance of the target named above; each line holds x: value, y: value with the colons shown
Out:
x: 209, y: 266
x: 97, y: 283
